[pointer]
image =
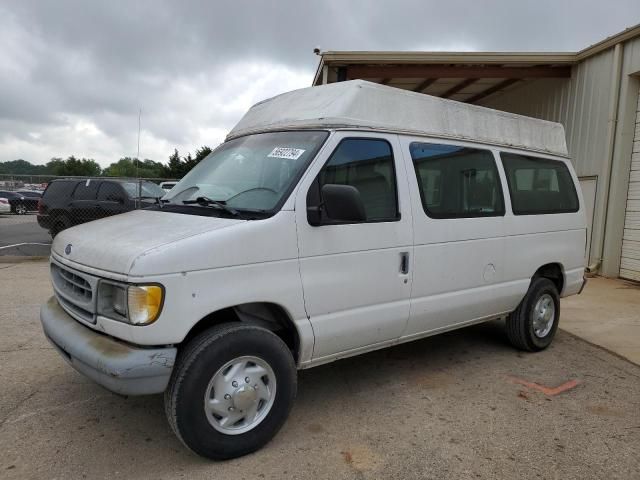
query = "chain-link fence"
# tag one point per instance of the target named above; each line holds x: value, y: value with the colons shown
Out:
x: 72, y: 200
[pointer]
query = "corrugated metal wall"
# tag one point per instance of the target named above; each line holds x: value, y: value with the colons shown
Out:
x: 630, y: 256
x: 582, y: 105
x: 629, y: 89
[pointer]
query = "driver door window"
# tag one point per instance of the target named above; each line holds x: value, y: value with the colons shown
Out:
x: 368, y: 165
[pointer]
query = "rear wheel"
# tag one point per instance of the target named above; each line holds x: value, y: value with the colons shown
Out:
x: 231, y: 390
x: 533, y: 324
x: 20, y: 209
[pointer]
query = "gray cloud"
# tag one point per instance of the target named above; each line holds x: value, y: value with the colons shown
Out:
x: 73, y: 74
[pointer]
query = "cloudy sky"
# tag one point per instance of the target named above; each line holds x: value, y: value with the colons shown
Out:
x: 73, y: 74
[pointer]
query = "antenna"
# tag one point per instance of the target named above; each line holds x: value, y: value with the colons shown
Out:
x: 138, y: 154
x: 137, y: 160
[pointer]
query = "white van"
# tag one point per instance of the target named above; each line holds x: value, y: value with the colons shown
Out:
x: 334, y: 220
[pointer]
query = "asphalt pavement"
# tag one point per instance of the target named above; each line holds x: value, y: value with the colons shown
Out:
x: 463, y: 405
x: 21, y: 235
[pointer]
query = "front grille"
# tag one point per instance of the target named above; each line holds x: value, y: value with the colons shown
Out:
x: 74, y: 284
x: 75, y: 291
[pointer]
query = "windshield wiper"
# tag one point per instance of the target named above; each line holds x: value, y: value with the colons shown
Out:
x: 208, y: 202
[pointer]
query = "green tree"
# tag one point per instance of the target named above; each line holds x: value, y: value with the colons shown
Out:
x: 22, y: 167
x: 178, y: 166
x: 175, y: 168
x: 72, y: 166
x: 132, y: 167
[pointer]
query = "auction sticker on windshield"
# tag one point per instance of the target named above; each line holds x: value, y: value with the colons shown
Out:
x: 286, y: 152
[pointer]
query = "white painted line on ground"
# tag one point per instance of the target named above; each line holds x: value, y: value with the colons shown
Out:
x: 21, y: 244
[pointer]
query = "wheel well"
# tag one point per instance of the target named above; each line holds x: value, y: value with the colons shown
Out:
x: 552, y: 271
x: 267, y: 315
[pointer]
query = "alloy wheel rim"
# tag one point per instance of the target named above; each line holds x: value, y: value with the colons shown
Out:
x: 544, y: 314
x: 240, y: 395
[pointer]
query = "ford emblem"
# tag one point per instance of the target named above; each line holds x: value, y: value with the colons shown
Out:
x: 67, y: 249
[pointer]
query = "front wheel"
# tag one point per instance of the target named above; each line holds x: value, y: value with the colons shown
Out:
x: 231, y: 390
x: 21, y: 209
x: 533, y: 324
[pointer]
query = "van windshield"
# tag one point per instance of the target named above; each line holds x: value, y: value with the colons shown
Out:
x: 252, y: 173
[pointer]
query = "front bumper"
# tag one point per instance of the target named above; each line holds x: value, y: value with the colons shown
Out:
x: 117, y: 366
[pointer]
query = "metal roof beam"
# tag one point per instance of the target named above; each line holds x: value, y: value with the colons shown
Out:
x: 491, y: 90
x: 460, y: 86
x: 423, y: 85
x: 446, y: 71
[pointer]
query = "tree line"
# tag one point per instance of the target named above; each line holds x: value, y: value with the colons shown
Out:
x: 176, y: 167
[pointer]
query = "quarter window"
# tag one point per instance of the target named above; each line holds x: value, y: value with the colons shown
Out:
x: 457, y: 182
x: 538, y: 185
x: 366, y: 164
x: 86, y: 190
x: 111, y: 192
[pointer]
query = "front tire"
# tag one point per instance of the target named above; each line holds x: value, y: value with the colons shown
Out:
x: 21, y: 209
x: 532, y: 326
x: 231, y: 390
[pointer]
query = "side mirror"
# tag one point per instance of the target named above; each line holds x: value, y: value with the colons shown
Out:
x: 343, y: 203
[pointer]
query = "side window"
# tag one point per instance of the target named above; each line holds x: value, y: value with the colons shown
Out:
x: 111, y: 192
x: 366, y: 164
x: 539, y: 185
x: 86, y: 190
x: 457, y: 182
x: 58, y: 190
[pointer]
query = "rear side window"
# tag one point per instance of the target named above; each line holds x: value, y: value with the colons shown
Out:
x: 366, y: 164
x: 457, y: 182
x: 538, y: 185
x: 111, y: 192
x: 86, y: 190
x: 58, y: 190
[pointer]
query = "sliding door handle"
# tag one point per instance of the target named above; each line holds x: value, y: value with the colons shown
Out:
x: 404, y: 263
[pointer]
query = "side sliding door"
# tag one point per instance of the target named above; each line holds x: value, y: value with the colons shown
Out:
x: 459, y: 212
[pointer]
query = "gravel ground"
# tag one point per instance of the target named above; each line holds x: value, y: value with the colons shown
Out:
x: 445, y: 407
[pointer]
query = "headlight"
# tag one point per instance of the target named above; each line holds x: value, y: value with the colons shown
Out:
x: 144, y: 303
x: 134, y: 304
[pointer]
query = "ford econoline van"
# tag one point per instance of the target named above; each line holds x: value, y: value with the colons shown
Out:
x: 333, y: 221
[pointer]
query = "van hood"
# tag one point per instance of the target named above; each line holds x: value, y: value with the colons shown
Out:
x: 112, y: 244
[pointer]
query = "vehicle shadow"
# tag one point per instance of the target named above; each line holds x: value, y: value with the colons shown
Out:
x: 430, y: 364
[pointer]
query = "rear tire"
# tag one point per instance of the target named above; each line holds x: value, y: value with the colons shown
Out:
x: 533, y: 325
x: 231, y: 390
x: 59, y: 225
x: 21, y: 209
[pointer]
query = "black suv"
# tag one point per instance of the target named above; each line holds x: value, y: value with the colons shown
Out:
x: 20, y: 203
x: 66, y: 203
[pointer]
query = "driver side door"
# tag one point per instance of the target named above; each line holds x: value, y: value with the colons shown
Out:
x: 356, y: 276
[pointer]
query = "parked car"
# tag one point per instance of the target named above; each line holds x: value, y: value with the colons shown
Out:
x: 333, y: 221
x: 167, y: 186
x: 5, y: 207
x: 66, y: 203
x: 19, y: 203
x: 29, y: 193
